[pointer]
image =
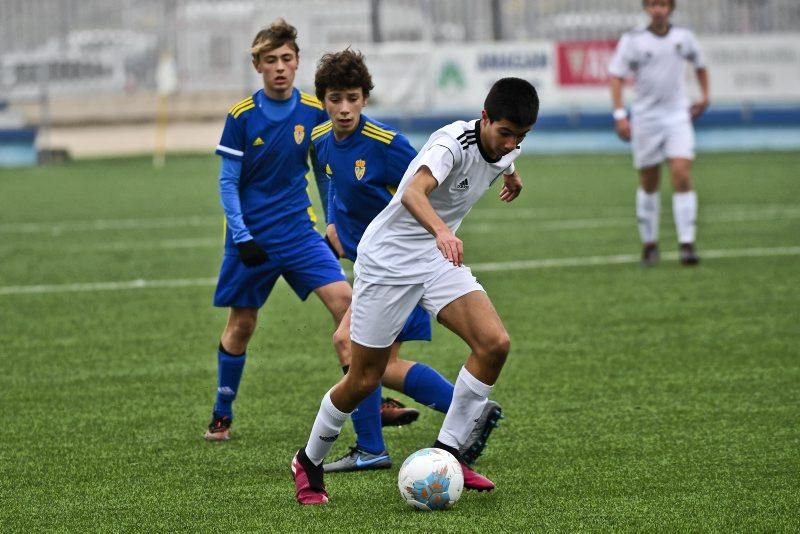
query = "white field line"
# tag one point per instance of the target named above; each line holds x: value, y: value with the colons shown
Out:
x: 57, y: 228
x: 547, y: 263
x: 546, y: 218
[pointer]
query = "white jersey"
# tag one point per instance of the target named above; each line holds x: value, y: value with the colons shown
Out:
x: 657, y: 64
x: 396, y: 248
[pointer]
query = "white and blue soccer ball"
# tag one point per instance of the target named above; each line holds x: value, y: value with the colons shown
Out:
x: 431, y: 479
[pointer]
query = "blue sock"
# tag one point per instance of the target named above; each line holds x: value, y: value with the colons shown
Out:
x: 229, y: 373
x: 367, y: 424
x: 426, y: 386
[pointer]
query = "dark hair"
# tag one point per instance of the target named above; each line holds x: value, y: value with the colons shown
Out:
x: 513, y: 99
x: 274, y: 36
x: 342, y: 70
x: 671, y: 2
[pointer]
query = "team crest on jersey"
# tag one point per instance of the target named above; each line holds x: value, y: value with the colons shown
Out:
x: 299, y: 133
x: 360, y: 168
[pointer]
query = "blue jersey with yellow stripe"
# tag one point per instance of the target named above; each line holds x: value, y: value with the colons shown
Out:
x: 365, y: 169
x: 275, y: 205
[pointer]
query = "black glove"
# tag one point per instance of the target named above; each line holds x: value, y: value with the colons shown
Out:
x: 251, y: 253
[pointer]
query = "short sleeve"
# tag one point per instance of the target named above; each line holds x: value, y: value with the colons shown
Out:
x: 399, y: 155
x: 440, y: 159
x: 232, y: 143
x: 694, y: 54
x: 619, y: 66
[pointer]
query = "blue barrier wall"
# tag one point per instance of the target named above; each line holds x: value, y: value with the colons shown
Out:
x: 18, y: 147
x: 740, y: 128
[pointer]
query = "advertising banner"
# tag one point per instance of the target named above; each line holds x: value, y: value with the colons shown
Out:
x: 584, y: 63
x: 753, y: 68
x: 462, y: 75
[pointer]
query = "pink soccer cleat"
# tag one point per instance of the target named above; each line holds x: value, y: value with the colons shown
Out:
x: 310, y: 489
x: 475, y: 481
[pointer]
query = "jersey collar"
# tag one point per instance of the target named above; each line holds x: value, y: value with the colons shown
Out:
x: 480, y: 145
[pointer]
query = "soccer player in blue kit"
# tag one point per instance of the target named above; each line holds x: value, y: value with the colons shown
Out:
x: 366, y: 160
x: 269, y: 221
x: 270, y: 231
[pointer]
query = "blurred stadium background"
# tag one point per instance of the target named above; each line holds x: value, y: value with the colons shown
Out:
x: 91, y: 77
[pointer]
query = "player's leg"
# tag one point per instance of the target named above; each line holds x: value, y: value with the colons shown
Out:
x: 648, y: 213
x: 378, y: 315
x: 680, y: 151
x: 312, y: 267
x: 647, y: 142
x: 473, y: 318
x: 459, y: 302
x: 366, y: 368
x: 369, y: 451
x: 243, y: 290
x: 417, y: 380
x: 336, y: 297
x: 231, y: 357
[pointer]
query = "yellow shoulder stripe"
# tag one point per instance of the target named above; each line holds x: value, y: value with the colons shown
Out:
x: 248, y: 100
x: 316, y: 133
x: 310, y: 100
x: 319, y: 127
x: 242, y: 109
x: 378, y: 133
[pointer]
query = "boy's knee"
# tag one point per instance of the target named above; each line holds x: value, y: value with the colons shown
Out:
x: 495, y: 348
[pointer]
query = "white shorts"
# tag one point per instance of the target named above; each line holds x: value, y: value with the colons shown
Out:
x: 654, y: 141
x: 379, y: 311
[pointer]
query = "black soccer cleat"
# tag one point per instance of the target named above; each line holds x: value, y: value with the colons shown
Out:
x: 650, y: 255
x: 479, y: 437
x: 687, y: 255
x: 219, y: 429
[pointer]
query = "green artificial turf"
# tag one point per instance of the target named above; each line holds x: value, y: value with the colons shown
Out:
x: 665, y: 399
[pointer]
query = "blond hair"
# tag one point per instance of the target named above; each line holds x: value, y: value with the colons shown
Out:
x: 274, y: 36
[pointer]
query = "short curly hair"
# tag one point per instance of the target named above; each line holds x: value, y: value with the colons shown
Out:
x: 342, y: 70
x: 274, y: 36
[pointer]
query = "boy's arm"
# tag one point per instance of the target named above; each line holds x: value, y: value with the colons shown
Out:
x: 331, y: 236
x: 415, y: 199
x: 512, y: 185
x: 322, y: 179
x: 700, y: 106
x: 621, y: 123
x: 250, y: 252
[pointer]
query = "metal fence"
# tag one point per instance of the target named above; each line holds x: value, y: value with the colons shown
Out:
x: 114, y: 46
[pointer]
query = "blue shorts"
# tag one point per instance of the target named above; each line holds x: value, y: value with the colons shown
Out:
x: 306, y: 266
x: 417, y: 327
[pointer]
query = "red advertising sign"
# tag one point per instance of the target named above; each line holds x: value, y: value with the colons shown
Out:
x: 584, y: 63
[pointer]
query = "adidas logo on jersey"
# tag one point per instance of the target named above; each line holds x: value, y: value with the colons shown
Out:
x: 463, y: 185
x: 258, y: 142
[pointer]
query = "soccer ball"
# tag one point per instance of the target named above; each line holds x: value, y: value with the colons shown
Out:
x: 431, y: 479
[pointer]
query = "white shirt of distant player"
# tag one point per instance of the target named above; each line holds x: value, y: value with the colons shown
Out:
x: 657, y: 64
x: 396, y: 249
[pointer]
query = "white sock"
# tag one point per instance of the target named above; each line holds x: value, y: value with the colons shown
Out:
x: 469, y: 398
x: 648, y: 208
x: 327, y: 425
x: 684, y: 209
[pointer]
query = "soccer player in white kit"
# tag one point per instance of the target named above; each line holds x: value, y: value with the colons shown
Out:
x: 661, y: 123
x: 410, y: 254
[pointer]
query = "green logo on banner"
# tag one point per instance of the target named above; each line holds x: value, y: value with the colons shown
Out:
x: 451, y: 75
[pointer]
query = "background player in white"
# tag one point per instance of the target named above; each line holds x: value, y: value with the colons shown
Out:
x: 410, y: 254
x: 660, y: 126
